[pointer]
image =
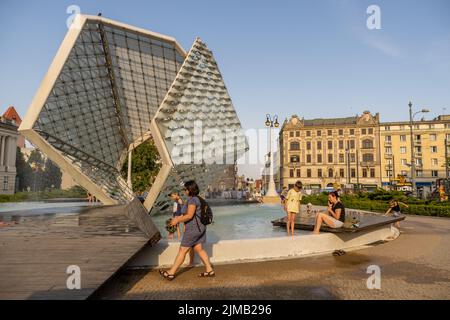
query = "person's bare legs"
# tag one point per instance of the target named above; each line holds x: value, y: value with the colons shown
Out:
x: 322, y: 217
x: 289, y: 224
x: 191, y: 258
x: 178, y: 260
x: 178, y: 232
x: 203, y: 256
x: 292, y: 223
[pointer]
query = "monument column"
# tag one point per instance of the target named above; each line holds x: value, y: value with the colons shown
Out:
x: 2, y: 151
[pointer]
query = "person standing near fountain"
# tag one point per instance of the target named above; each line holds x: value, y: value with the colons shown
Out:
x: 293, y: 201
x: 194, y: 235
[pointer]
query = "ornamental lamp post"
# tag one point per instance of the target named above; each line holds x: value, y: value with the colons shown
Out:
x: 413, y: 160
x: 271, y: 122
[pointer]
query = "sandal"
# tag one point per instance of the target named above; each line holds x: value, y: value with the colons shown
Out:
x: 166, y: 275
x: 338, y: 253
x: 207, y: 274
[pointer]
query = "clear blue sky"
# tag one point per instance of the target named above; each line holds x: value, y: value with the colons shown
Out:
x: 311, y: 58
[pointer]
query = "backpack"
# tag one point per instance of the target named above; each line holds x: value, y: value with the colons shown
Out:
x: 206, y: 212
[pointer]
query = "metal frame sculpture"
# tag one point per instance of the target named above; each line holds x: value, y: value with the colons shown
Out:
x: 112, y: 86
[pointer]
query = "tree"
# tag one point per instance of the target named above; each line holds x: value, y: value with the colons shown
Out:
x: 23, y: 170
x: 36, y: 162
x: 52, y: 175
x: 145, y: 166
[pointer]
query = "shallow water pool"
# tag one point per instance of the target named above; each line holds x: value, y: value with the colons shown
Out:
x: 251, y: 221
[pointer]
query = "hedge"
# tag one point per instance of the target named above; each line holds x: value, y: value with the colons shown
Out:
x: 418, y: 207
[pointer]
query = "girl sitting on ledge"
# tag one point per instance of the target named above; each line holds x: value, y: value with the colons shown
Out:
x: 335, y: 215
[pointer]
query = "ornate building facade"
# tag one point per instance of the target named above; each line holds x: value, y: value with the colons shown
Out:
x: 337, y: 152
x: 431, y: 149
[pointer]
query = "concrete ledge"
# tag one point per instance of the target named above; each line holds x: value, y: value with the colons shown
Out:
x: 234, y: 251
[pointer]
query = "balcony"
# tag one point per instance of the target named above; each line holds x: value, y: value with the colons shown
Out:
x: 417, y: 154
x: 388, y: 155
x: 387, y: 143
x: 417, y: 142
x: 368, y: 163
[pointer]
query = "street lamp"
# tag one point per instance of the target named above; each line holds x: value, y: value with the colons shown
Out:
x: 271, y: 122
x: 413, y: 160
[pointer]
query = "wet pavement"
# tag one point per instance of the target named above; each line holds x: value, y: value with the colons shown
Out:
x: 36, y: 252
x: 415, y: 266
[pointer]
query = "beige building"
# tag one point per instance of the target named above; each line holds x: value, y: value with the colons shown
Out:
x: 322, y: 153
x: 8, y: 142
x: 430, y: 152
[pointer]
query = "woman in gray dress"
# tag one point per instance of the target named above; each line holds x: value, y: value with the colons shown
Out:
x: 194, y: 236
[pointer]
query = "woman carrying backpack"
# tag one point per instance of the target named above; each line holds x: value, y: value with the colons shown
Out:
x: 195, y: 234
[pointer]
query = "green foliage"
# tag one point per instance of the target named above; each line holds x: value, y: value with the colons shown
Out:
x: 24, y: 171
x: 145, y: 166
x: 51, y: 176
x: 75, y: 192
x: 378, y: 201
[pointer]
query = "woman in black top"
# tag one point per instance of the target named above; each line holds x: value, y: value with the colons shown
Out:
x: 335, y: 215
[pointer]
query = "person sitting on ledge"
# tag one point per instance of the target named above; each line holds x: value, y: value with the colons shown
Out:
x: 334, y: 217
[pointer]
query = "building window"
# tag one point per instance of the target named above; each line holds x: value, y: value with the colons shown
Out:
x: 387, y: 128
x: 352, y: 157
x: 434, y: 173
x: 319, y: 173
x: 352, y: 144
x: 402, y: 150
x: 308, y: 145
x: 419, y: 173
x: 330, y: 158
x: 5, y: 183
x: 298, y: 173
x: 341, y: 132
x: 433, y: 137
x: 402, y: 127
x: 418, y: 149
x: 319, y: 145
x: 433, y: 149
x: 403, y: 162
x: 352, y: 132
x: 370, y: 130
x: 403, y: 137
x: 330, y: 173
x: 291, y: 134
x: 295, y: 159
x: 295, y: 146
x: 291, y: 173
x: 341, y: 144
x: 353, y: 173
x: 389, y: 173
x: 308, y: 133
x: 341, y: 158
x: 297, y: 133
x: 330, y: 132
x: 308, y: 158
x: 367, y: 144
x: 388, y: 138
x: 434, y: 162
x: 364, y: 173
x: 417, y: 137
x: 388, y: 150
x: 363, y: 131
x: 319, y: 158
x: 372, y: 173
x: 418, y: 161
x: 308, y: 173
x: 368, y: 157
x: 319, y: 133
x: 341, y: 173
x: 330, y: 145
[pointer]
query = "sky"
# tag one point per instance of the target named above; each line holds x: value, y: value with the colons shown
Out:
x: 310, y: 58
